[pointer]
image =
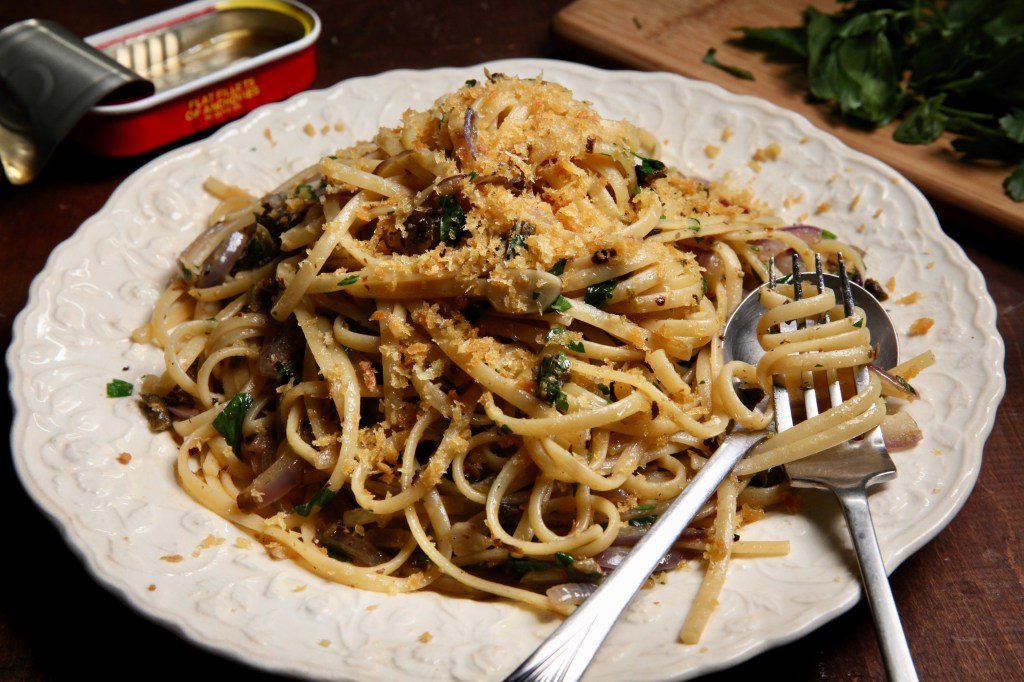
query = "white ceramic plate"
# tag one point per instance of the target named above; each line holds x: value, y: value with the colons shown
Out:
x: 143, y: 538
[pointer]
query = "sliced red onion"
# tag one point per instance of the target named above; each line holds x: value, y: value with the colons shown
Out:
x: 469, y: 131
x: 712, y: 265
x: 279, y: 479
x: 808, y: 233
x: 611, y: 558
x: 630, y: 535
x: 570, y: 594
x: 768, y: 248
x: 223, y: 258
x: 280, y: 349
x: 449, y: 184
x: 356, y: 547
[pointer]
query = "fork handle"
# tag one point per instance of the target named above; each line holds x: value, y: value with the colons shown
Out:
x: 899, y: 664
x: 568, y: 651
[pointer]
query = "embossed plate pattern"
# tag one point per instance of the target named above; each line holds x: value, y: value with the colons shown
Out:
x: 143, y: 538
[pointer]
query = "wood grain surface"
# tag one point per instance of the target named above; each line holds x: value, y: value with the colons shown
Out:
x: 674, y: 35
x: 961, y: 596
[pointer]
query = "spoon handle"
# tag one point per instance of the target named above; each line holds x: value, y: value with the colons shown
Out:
x: 569, y: 649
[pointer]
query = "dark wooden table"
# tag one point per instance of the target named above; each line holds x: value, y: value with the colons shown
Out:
x: 961, y: 596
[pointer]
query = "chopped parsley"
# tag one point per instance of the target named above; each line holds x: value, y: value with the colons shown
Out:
x: 564, y: 559
x: 453, y: 218
x: 351, y: 279
x: 904, y: 384
x: 558, y: 268
x: 561, y: 304
x: 521, y: 229
x: 598, y: 295
x: 644, y: 521
x: 552, y: 373
x: 557, y: 335
x: 118, y: 388
x: 286, y: 371
x: 710, y: 58
x: 825, y: 234
x: 319, y: 499
x: 648, y: 170
x: 229, y: 422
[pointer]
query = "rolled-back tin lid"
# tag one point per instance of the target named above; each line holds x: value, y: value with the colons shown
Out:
x: 49, y: 79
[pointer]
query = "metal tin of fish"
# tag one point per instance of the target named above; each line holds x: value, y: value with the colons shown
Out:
x: 210, y: 62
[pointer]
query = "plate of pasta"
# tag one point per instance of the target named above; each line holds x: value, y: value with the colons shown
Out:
x: 378, y: 382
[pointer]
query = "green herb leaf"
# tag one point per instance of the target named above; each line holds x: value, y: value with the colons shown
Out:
x: 521, y: 229
x: 557, y: 335
x: 924, y: 124
x: 781, y: 43
x: 119, y: 388
x: 1014, y: 184
x: 229, y: 422
x: 710, y: 58
x: 319, y: 499
x: 453, y: 218
x: 561, y: 304
x: 558, y: 268
x: 287, y: 371
x: 351, y: 279
x: 644, y: 521
x: 938, y: 67
x: 564, y: 559
x: 552, y: 372
x: 648, y: 170
x: 599, y: 294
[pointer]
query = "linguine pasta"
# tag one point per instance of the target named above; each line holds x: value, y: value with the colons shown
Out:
x: 480, y: 352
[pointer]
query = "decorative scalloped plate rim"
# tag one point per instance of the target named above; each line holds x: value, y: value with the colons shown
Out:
x: 181, y: 565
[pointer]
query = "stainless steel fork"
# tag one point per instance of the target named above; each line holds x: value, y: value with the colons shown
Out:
x: 847, y: 470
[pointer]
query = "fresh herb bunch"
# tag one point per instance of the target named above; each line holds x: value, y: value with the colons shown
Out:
x: 955, y: 66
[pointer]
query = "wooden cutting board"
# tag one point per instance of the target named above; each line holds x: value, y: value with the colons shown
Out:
x: 674, y: 35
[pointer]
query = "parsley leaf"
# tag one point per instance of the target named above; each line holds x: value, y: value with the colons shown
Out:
x: 599, y: 294
x: 453, y: 218
x: 521, y: 229
x: 561, y: 304
x: 319, y: 499
x: 557, y: 335
x: 939, y: 68
x: 229, y: 422
x: 710, y: 58
x: 351, y: 279
x: 648, y: 170
x: 118, y: 388
x: 552, y: 373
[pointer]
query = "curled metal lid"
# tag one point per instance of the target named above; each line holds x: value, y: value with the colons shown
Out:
x: 49, y: 79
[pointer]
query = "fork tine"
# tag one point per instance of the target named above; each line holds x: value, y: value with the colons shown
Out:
x: 807, y: 377
x: 780, y: 395
x: 835, y: 391
x: 860, y: 376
